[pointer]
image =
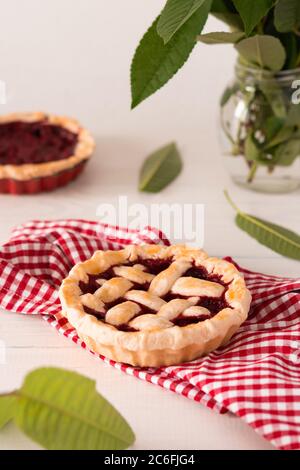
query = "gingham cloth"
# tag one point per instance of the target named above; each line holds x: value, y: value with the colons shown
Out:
x: 256, y: 376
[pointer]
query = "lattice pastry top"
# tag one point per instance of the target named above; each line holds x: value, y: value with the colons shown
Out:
x: 152, y: 305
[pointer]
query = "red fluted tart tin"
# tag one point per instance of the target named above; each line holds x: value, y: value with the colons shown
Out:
x: 38, y: 185
x: 41, y: 152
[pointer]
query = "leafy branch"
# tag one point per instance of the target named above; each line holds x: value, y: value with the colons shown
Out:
x: 265, y: 33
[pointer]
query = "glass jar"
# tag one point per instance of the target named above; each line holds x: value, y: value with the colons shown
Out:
x: 260, y: 129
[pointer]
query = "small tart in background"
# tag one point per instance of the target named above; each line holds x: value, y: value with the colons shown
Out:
x: 41, y: 152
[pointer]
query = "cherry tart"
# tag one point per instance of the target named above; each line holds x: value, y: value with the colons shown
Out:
x: 153, y: 306
x: 41, y: 152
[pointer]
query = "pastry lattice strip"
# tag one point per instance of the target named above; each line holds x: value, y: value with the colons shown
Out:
x: 170, y: 280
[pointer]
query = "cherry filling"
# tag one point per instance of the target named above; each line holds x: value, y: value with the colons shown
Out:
x: 199, y: 272
x: 185, y: 321
x: 126, y: 328
x: 214, y: 305
x: 34, y: 142
x: 155, y: 266
x: 92, y: 285
x: 91, y: 311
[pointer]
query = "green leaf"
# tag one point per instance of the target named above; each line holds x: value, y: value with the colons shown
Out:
x: 287, y: 152
x: 221, y: 37
x: 7, y: 409
x: 263, y: 51
x: 155, y: 63
x: 252, y: 151
x: 270, y: 152
x: 175, y: 15
x: 283, y: 135
x: 293, y: 117
x: 272, y: 126
x: 252, y: 12
x: 277, y: 238
x: 289, y: 41
x: 62, y: 410
x: 287, y: 15
x: 229, y: 91
x: 275, y: 97
x: 160, y: 169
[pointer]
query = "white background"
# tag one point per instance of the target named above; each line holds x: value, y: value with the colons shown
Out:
x: 73, y: 57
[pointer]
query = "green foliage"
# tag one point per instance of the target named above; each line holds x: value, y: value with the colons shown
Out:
x: 271, y: 127
x: 160, y: 169
x: 252, y: 12
x: 287, y: 15
x: 283, y: 135
x: 228, y: 92
x: 293, y: 116
x: 168, y: 43
x: 265, y: 33
x: 221, y: 37
x: 62, y: 410
x: 7, y: 407
x: 263, y: 51
x: 252, y: 151
x: 275, y: 237
x: 287, y: 152
x: 175, y: 15
x: 154, y: 62
x: 290, y: 44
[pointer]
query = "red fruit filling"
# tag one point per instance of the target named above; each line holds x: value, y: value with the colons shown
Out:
x: 214, y: 305
x: 91, y: 311
x: 185, y: 321
x: 37, y: 142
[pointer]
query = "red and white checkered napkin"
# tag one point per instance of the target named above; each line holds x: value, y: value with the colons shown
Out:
x: 256, y: 376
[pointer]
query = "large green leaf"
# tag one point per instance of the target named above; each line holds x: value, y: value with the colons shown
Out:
x: 252, y: 12
x: 7, y: 409
x: 160, y: 169
x: 221, y: 37
x: 155, y: 63
x: 175, y: 15
x: 62, y: 410
x: 263, y: 51
x: 287, y: 15
x: 275, y: 237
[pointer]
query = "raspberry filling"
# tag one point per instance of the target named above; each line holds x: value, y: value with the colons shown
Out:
x: 36, y: 142
x: 155, y: 266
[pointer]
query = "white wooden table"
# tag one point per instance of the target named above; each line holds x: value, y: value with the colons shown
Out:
x: 97, y: 91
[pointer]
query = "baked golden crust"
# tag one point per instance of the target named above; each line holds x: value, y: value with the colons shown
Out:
x: 157, y: 341
x: 83, y: 150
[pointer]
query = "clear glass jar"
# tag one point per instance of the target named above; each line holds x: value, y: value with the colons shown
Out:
x: 260, y: 129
